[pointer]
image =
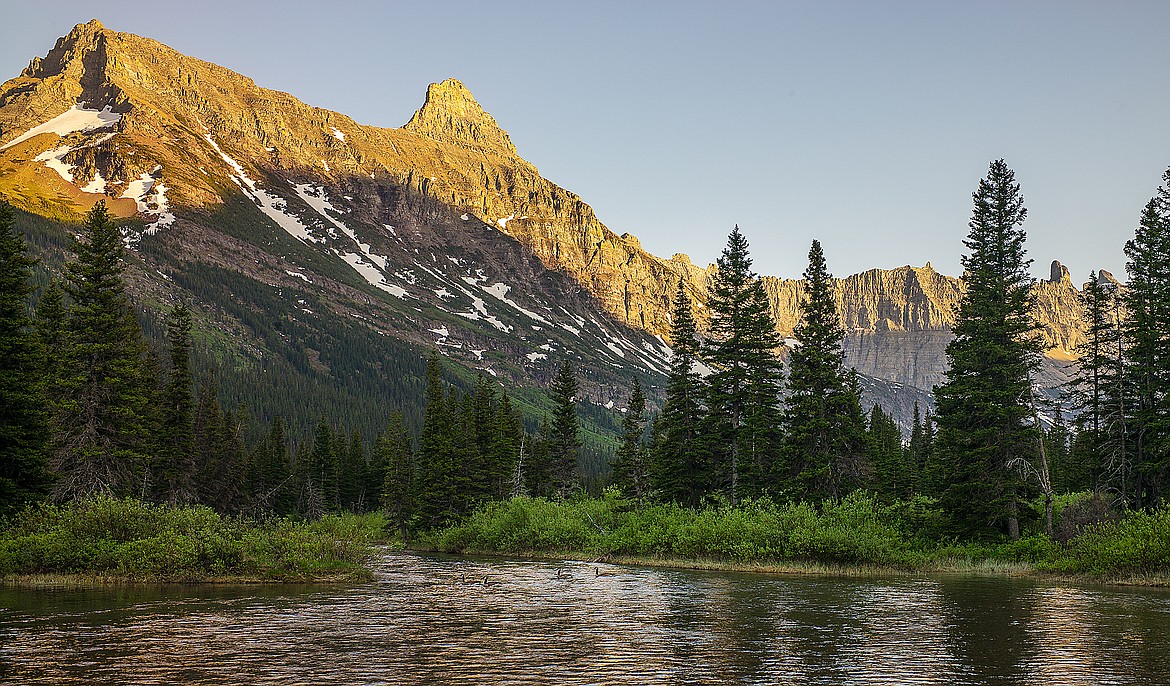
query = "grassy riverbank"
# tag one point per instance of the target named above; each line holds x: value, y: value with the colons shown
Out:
x: 117, y: 541
x: 856, y: 536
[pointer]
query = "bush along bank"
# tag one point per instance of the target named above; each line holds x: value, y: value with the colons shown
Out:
x: 104, y: 539
x: 855, y: 533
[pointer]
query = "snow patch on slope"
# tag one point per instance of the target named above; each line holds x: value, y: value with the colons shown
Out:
x: 74, y: 119
x: 500, y: 292
x: 98, y: 185
x: 273, y: 206
x: 53, y: 159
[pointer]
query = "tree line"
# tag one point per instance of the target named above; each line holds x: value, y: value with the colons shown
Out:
x: 86, y: 407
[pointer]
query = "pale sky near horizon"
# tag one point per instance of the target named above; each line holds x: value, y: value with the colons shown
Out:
x: 866, y: 125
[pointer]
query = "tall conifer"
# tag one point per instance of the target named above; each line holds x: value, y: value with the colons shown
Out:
x: 985, y: 408
x: 680, y: 457
x: 435, y: 478
x: 631, y: 467
x: 744, y: 388
x: 104, y: 417
x: 398, y: 487
x: 174, y: 469
x: 23, y: 405
x: 1147, y: 302
x: 565, y: 439
x: 825, y: 429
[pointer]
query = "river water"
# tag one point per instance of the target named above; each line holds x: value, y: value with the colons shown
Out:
x: 434, y: 620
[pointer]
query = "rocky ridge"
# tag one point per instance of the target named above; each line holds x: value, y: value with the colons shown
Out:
x: 195, y: 135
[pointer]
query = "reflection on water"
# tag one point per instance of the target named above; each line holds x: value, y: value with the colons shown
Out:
x: 436, y: 620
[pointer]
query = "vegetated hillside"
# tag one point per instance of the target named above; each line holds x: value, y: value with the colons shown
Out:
x: 334, y: 254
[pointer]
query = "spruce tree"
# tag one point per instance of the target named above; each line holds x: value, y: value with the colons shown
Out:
x: 894, y: 478
x: 1090, y: 389
x: 24, y: 429
x: 435, y: 478
x: 398, y: 487
x: 631, y: 467
x: 320, y: 484
x: 231, y: 497
x: 565, y: 438
x: 174, y: 469
x: 483, y: 474
x: 985, y: 408
x: 1147, y: 303
x: 209, y: 431
x: 744, y: 388
x: 538, y: 466
x: 919, y: 452
x: 504, y: 450
x: 823, y: 455
x: 269, y: 478
x: 105, y: 411
x: 681, y: 471
x: 351, y: 481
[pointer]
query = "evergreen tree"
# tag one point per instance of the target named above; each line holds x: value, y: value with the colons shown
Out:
x: 681, y: 471
x: 221, y: 466
x: 175, y: 464
x: 104, y: 418
x: 894, y: 476
x: 398, y: 488
x: 435, y: 490
x: 322, y: 495
x: 484, y: 474
x: 985, y: 408
x: 631, y: 470
x: 744, y: 388
x: 826, y: 430
x: 504, y: 450
x: 565, y: 439
x: 269, y: 475
x: 538, y: 469
x: 932, y: 481
x: 24, y: 429
x: 1090, y: 389
x: 352, y: 494
x: 1147, y: 302
x: 233, y: 467
x: 467, y: 475
x: 208, y: 430
x: 915, y: 450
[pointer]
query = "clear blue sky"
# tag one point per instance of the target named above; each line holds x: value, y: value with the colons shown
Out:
x: 864, y: 124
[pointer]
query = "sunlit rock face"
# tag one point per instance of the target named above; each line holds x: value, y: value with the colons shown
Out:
x: 174, y: 140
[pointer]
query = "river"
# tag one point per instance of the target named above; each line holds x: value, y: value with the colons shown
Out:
x: 431, y: 619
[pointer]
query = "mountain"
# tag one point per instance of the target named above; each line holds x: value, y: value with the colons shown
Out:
x: 327, y: 254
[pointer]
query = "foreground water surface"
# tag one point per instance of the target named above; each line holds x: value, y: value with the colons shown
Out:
x: 435, y: 620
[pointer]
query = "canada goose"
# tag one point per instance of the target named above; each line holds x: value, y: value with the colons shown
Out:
x: 597, y: 572
x: 562, y: 574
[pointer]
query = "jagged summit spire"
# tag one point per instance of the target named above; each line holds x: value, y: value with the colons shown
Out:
x: 82, y: 39
x: 451, y: 114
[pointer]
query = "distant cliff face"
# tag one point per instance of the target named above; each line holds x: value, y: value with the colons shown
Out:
x: 194, y: 135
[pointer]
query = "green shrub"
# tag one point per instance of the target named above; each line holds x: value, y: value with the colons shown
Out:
x: 132, y: 539
x: 1139, y: 543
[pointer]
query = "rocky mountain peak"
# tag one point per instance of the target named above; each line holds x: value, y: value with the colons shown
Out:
x: 1059, y: 273
x: 451, y: 114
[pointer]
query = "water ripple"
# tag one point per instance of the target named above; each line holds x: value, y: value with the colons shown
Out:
x: 472, y: 621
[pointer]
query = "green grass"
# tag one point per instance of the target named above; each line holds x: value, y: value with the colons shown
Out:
x: 855, y: 532
x: 131, y: 540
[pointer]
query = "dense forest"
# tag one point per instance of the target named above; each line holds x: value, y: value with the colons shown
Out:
x: 87, y: 407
